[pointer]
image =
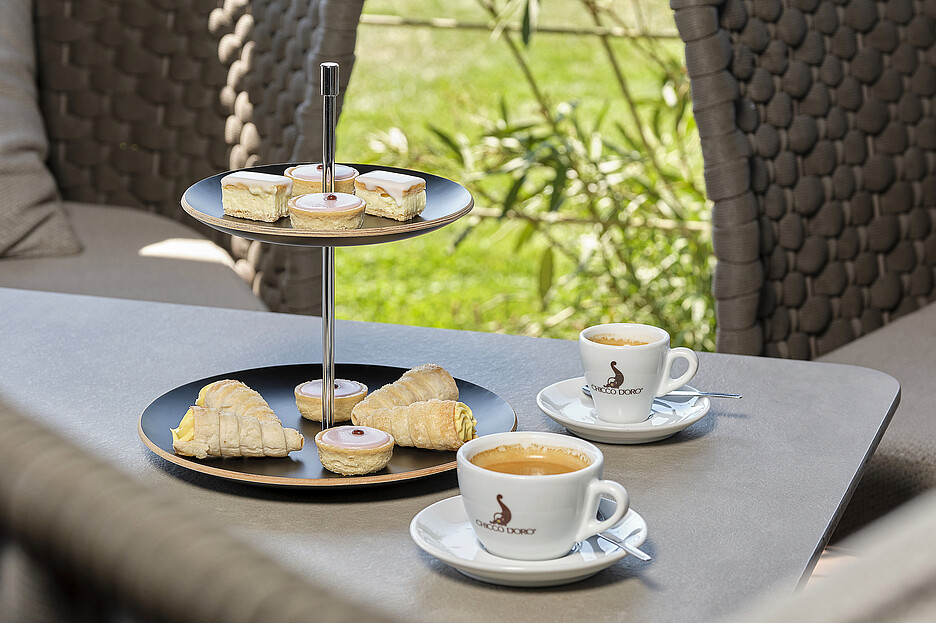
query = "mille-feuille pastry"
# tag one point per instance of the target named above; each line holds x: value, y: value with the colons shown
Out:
x: 255, y: 196
x: 354, y: 450
x: 431, y: 424
x: 391, y: 195
x: 205, y: 432
x: 420, y: 409
x: 347, y: 394
x: 307, y: 178
x: 332, y: 211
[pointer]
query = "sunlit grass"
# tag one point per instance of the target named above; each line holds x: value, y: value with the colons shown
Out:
x: 482, y: 285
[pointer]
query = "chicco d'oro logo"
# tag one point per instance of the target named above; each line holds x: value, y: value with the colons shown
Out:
x: 613, y: 386
x: 500, y: 520
x: 617, y: 380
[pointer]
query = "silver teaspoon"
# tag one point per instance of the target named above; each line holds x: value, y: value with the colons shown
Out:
x: 627, y: 547
x: 682, y: 393
x: 633, y: 550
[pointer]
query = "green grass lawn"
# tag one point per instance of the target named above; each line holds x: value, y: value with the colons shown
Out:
x: 482, y: 285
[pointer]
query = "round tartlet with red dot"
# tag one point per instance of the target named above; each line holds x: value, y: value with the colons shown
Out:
x: 326, y: 211
x: 347, y: 394
x: 354, y: 450
x: 308, y: 178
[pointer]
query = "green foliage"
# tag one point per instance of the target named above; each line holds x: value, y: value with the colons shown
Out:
x: 614, y: 200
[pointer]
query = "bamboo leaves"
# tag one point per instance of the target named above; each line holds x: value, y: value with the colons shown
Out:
x: 612, y: 201
x: 546, y: 275
x: 511, y: 197
x: 530, y: 18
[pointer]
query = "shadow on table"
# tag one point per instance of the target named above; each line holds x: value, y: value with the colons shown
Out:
x: 704, y: 427
x: 626, y: 569
x: 435, y: 483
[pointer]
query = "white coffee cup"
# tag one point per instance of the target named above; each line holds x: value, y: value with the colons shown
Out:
x: 625, y: 378
x: 535, y: 517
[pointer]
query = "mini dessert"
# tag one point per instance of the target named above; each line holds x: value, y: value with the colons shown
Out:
x: 392, y: 195
x: 205, y: 432
x: 347, y: 395
x: 431, y: 424
x: 334, y: 211
x: 354, y: 450
x: 231, y: 419
x: 255, y: 196
x: 235, y: 397
x: 420, y: 409
x: 421, y: 383
x: 307, y: 178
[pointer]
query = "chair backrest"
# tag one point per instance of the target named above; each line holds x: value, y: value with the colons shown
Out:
x: 818, y: 133
x: 142, y: 98
x: 82, y: 541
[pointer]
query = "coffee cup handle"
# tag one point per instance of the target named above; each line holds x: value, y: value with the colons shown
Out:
x: 670, y: 384
x: 596, y: 488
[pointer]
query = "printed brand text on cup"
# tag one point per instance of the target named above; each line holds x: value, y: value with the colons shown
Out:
x: 616, y: 391
x: 500, y: 520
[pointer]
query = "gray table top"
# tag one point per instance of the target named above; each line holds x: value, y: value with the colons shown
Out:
x: 738, y: 504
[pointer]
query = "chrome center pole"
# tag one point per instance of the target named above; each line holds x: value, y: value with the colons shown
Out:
x: 329, y: 82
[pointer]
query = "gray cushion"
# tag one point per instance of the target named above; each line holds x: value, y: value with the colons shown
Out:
x: 904, y: 464
x: 32, y: 222
x: 893, y: 580
x: 134, y: 254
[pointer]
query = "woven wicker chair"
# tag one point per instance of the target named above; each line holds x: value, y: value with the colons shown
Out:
x: 142, y: 98
x: 82, y: 541
x: 819, y: 141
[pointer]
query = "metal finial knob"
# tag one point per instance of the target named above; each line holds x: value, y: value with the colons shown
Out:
x: 329, y: 79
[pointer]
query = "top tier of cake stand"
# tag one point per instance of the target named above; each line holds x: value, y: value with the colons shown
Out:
x: 446, y: 202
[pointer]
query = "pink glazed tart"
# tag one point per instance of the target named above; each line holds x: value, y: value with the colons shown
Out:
x: 347, y: 394
x: 332, y: 211
x: 307, y: 178
x: 354, y: 450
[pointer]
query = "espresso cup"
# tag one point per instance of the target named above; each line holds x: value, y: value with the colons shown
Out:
x: 533, y: 495
x: 627, y: 366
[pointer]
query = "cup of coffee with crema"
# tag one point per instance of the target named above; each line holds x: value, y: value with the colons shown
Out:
x: 533, y: 495
x: 627, y: 366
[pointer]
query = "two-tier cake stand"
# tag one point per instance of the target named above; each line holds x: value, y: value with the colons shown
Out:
x: 446, y: 202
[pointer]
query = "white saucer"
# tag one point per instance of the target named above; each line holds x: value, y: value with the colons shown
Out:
x: 444, y: 531
x: 567, y: 404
